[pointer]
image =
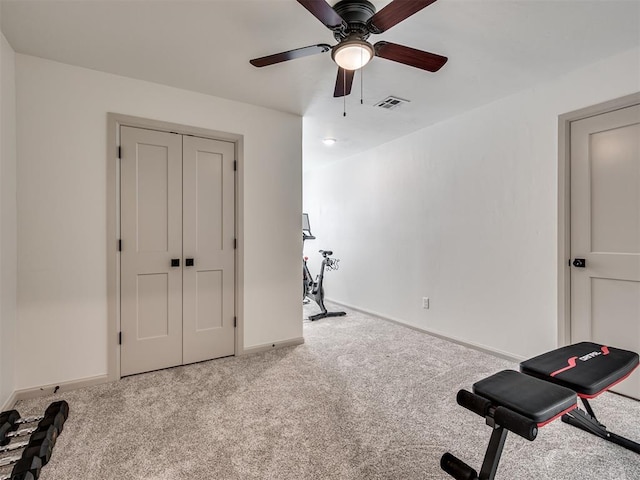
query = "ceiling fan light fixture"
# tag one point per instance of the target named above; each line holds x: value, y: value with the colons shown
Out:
x: 352, y: 54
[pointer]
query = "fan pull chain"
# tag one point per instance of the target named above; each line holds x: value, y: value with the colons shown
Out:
x: 344, y: 92
x: 361, y: 85
x: 361, y: 77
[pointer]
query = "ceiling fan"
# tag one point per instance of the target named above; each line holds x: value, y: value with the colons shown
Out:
x: 352, y: 22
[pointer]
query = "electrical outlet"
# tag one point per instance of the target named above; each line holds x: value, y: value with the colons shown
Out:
x: 425, y: 303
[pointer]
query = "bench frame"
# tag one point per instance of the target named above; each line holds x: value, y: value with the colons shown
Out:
x: 588, y: 422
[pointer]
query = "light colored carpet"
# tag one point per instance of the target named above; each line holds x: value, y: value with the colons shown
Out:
x: 361, y: 399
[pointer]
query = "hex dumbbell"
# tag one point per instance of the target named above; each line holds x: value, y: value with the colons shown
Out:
x: 55, y: 414
x: 37, y: 451
x: 24, y: 468
x: 40, y: 446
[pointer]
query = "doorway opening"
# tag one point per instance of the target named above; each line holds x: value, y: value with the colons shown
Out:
x: 599, y: 226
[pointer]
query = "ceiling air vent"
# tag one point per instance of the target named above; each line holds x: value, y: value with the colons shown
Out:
x: 391, y: 102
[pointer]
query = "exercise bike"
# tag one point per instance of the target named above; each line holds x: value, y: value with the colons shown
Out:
x: 314, y: 289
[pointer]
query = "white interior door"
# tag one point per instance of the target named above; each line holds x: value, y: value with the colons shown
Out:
x: 605, y: 231
x: 151, y: 228
x: 209, y: 233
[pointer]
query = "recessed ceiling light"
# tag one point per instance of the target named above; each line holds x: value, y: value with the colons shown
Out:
x: 329, y: 141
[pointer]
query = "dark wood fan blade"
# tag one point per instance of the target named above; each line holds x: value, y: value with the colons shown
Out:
x: 410, y: 56
x: 324, y: 12
x: 290, y: 55
x: 395, y: 12
x: 343, y: 82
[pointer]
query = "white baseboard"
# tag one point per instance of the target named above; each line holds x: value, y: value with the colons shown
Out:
x: 272, y: 346
x: 10, y: 403
x: 35, y: 392
x: 61, y: 387
x: 482, y: 348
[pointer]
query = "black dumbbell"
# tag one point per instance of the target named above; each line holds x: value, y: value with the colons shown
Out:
x: 54, y: 417
x: 41, y: 445
x: 27, y: 468
x: 61, y: 406
x: 8, y: 423
x: 55, y: 414
x: 40, y: 448
x: 53, y: 420
x: 43, y: 440
x: 22, y: 465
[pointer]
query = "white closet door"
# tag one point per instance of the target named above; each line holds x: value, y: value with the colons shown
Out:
x: 151, y: 227
x: 208, y: 239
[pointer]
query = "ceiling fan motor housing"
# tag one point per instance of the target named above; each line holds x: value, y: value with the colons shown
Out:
x: 356, y: 13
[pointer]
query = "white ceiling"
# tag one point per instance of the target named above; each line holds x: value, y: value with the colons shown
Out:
x: 495, y: 48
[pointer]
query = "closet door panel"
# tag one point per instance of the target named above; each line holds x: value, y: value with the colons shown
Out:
x: 151, y: 231
x: 208, y: 239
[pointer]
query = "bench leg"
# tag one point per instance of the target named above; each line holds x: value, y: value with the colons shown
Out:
x: 461, y: 471
x: 589, y: 423
x: 493, y: 453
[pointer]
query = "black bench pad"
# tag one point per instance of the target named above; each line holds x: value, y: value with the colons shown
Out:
x: 587, y: 368
x: 535, y: 399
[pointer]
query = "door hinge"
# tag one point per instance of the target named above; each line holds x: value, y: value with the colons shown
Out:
x: 119, y: 152
x: 235, y: 243
x: 235, y: 165
x: 235, y: 322
x: 120, y: 245
x: 119, y: 338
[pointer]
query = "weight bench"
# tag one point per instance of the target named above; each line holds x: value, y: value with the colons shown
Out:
x: 546, y: 389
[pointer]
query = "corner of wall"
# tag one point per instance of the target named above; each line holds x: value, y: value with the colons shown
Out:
x: 8, y: 223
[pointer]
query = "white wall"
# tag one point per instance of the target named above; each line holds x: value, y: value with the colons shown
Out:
x: 8, y: 226
x: 62, y: 141
x: 463, y: 212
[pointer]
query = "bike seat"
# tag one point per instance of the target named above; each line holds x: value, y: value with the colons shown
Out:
x: 326, y: 253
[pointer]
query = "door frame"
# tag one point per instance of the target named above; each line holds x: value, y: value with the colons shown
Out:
x: 114, y: 122
x: 564, y: 203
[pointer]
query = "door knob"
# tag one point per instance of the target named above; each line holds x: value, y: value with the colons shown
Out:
x: 175, y: 262
x: 188, y: 262
x: 579, y: 263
